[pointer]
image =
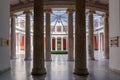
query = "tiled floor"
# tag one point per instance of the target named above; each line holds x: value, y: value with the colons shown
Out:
x: 59, y: 69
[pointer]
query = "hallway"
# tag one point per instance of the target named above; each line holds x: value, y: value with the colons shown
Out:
x: 59, y: 69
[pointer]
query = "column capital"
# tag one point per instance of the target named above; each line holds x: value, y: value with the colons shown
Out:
x: 13, y: 15
x: 24, y: 1
x: 47, y: 10
x: 91, y: 11
x: 27, y: 11
x: 105, y: 15
x: 93, y: 1
x: 70, y: 10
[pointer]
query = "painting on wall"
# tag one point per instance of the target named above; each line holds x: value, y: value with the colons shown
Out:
x: 4, y: 42
x: 114, y: 41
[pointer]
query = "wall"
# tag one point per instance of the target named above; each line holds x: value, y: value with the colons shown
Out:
x: 114, y: 30
x: 4, y: 33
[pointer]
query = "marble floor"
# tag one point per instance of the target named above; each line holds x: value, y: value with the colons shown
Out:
x: 59, y: 69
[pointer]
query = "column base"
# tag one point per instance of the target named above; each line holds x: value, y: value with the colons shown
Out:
x: 13, y: 58
x: 82, y: 72
x: 41, y: 77
x: 28, y: 59
x: 70, y: 59
x: 37, y: 71
x: 48, y: 59
x: 106, y: 57
x: 93, y: 59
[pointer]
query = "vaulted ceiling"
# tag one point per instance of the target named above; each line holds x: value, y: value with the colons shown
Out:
x: 17, y: 5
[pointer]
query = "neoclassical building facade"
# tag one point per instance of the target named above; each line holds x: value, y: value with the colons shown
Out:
x: 59, y: 31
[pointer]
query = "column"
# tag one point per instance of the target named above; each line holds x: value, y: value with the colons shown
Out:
x: 99, y: 43
x: 56, y: 43
x: 80, y: 39
x: 66, y: 43
x: 91, y: 35
x: 48, y: 35
x: 74, y: 47
x: 18, y: 43
x: 70, y: 34
x: 61, y: 43
x: 51, y: 43
x: 38, y: 39
x: 106, y: 36
x: 27, y: 36
x: 17, y: 50
x: 13, y: 36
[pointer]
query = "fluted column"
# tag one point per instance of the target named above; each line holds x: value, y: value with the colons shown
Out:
x: 80, y: 39
x: 27, y: 36
x: 106, y: 36
x: 13, y: 36
x: 38, y: 39
x: 48, y: 35
x: 70, y: 34
x: 91, y: 35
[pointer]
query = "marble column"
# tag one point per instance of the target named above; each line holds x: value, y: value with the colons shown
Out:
x: 70, y: 34
x: 27, y: 36
x: 91, y: 35
x: 38, y: 39
x: 48, y: 35
x: 106, y: 36
x: 80, y: 39
x: 13, y: 36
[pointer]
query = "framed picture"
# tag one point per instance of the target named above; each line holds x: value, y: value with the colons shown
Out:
x: 4, y: 42
x: 114, y: 41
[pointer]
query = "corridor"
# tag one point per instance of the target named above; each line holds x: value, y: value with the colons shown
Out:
x: 59, y: 69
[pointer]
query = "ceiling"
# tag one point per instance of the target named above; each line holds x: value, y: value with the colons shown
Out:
x: 104, y: 1
x: 13, y: 2
x: 19, y: 5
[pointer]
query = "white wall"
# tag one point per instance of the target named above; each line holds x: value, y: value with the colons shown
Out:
x: 114, y: 31
x: 4, y: 33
